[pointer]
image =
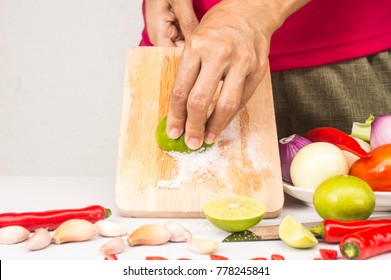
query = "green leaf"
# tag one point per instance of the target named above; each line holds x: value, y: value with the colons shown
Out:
x: 363, y: 130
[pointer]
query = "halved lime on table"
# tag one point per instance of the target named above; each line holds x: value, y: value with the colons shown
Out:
x: 234, y: 213
x: 295, y: 234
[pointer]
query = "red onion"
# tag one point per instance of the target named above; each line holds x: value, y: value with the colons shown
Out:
x: 288, y: 147
x: 381, y: 131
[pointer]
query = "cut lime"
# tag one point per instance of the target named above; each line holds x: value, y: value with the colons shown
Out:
x: 169, y: 145
x: 234, y: 213
x: 296, y: 234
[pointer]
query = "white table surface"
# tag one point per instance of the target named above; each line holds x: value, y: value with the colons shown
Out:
x: 21, y: 194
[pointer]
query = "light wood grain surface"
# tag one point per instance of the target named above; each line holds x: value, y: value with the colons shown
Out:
x: 152, y: 183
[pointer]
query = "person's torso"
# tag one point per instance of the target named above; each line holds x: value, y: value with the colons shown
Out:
x: 326, y: 31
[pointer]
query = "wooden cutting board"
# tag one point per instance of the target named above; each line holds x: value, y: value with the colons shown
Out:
x: 152, y: 183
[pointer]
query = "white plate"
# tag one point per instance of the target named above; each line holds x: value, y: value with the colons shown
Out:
x: 383, y: 199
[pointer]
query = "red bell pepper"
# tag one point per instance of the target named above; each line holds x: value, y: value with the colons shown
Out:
x: 338, y: 138
x: 366, y: 243
x: 332, y: 231
x: 376, y: 170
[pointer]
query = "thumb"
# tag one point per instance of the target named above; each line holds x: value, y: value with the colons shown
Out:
x: 184, y: 11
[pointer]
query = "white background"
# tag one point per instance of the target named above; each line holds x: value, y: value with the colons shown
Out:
x: 61, y: 83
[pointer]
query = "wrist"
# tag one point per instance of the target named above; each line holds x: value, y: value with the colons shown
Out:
x: 268, y: 14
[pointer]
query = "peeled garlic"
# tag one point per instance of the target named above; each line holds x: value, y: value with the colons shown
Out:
x: 40, y: 239
x: 13, y: 234
x: 114, y: 246
x: 149, y: 234
x: 179, y: 233
x: 109, y: 228
x: 74, y: 230
x: 202, y: 246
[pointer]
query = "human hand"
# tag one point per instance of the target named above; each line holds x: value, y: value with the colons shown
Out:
x: 231, y: 43
x: 169, y: 22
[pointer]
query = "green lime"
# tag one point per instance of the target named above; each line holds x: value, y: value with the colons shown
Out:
x: 296, y: 234
x: 177, y: 145
x: 344, y: 197
x: 234, y: 213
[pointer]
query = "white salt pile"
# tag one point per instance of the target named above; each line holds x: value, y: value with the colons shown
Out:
x: 213, y: 163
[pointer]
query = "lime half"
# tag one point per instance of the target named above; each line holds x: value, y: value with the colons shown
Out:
x: 234, y: 213
x: 296, y: 234
x: 173, y: 145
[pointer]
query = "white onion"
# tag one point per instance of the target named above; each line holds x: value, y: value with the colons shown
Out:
x: 317, y: 162
x: 381, y: 131
x: 288, y: 147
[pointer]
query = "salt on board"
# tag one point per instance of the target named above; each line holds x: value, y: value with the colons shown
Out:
x: 212, y: 163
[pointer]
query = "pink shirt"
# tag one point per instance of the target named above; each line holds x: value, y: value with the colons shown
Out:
x: 323, y: 32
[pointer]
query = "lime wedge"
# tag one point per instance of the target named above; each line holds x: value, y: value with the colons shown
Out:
x: 296, y: 234
x: 234, y: 213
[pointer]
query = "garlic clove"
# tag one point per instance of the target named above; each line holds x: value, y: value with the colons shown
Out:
x: 149, y: 234
x: 114, y: 246
x: 179, y: 233
x: 13, y: 234
x: 74, y: 230
x: 109, y: 228
x: 202, y: 246
x: 40, y: 239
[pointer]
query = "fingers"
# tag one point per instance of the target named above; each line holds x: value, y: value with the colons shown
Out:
x: 192, y: 94
x: 197, y: 79
x: 198, y: 104
x: 164, y: 25
x: 235, y: 93
x: 187, y: 74
x: 228, y: 104
x: 186, y: 16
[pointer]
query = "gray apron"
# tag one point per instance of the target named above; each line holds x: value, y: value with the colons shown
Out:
x: 332, y: 95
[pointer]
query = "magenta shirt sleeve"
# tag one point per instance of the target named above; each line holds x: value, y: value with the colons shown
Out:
x: 144, y: 34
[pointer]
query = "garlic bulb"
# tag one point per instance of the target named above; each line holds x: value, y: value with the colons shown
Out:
x: 179, y: 233
x: 202, y: 246
x: 149, y: 234
x: 114, y: 246
x: 74, y: 230
x: 13, y: 234
x: 40, y: 239
x: 109, y: 228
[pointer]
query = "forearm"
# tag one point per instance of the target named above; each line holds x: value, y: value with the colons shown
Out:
x: 271, y: 13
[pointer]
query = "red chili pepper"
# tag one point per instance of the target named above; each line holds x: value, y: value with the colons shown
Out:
x: 183, y: 259
x: 338, y: 138
x: 366, y: 243
x: 328, y: 254
x: 111, y: 257
x: 51, y: 219
x: 277, y: 257
x: 332, y: 231
x: 154, y: 258
x: 217, y: 257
